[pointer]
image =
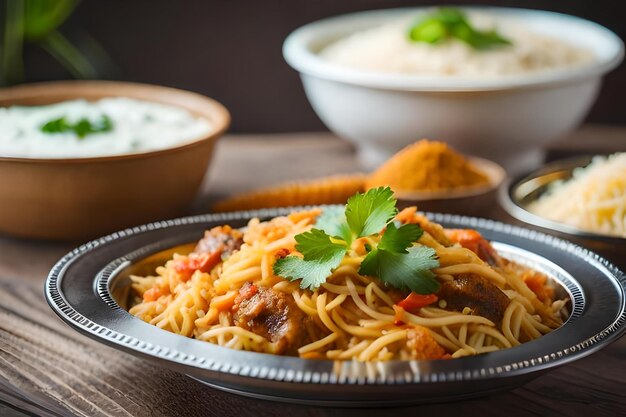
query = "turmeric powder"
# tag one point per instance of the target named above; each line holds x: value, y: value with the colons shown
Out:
x: 427, y: 166
x: 421, y: 167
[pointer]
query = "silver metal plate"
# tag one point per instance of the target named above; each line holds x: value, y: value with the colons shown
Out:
x: 81, y: 286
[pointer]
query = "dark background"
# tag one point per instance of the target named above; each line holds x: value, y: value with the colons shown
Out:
x: 231, y: 50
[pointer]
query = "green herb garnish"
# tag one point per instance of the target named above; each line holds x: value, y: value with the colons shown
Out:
x: 321, y: 256
x: 447, y: 23
x: 82, y: 128
x: 333, y: 222
x: 400, y: 264
x: 394, y: 260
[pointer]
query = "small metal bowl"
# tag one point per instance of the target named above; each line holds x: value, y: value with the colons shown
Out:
x: 519, y: 193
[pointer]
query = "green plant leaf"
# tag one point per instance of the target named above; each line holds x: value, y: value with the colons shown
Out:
x: 12, y: 70
x: 44, y: 16
x: 68, y: 55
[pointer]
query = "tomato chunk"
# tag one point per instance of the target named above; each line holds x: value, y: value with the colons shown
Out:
x: 203, y: 262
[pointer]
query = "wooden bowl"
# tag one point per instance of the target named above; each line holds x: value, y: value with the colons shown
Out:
x: 80, y: 198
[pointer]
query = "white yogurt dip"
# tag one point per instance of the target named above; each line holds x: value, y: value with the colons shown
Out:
x: 135, y: 126
x: 387, y: 48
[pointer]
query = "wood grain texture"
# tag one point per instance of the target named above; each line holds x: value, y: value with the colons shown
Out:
x: 46, y: 368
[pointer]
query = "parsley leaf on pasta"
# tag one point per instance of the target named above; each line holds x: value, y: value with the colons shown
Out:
x: 367, y: 214
x: 394, y: 260
x: 333, y: 222
x: 399, y: 239
x: 411, y: 270
x: 320, y: 257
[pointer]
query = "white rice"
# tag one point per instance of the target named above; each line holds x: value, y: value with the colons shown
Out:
x: 388, y: 49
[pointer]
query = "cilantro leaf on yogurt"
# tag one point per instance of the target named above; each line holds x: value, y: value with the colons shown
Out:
x: 81, y: 128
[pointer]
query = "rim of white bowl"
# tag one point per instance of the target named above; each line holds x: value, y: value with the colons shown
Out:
x: 301, y: 48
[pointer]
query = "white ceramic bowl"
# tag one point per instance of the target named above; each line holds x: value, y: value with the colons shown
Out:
x: 504, y: 118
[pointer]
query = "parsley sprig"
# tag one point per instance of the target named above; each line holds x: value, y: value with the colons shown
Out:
x: 395, y: 260
x: 446, y: 23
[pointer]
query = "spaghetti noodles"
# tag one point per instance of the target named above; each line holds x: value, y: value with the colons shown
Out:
x: 485, y: 303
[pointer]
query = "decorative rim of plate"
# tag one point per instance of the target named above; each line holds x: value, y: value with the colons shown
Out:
x: 369, y: 373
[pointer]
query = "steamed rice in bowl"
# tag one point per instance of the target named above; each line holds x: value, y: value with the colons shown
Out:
x: 528, y: 99
x: 387, y: 49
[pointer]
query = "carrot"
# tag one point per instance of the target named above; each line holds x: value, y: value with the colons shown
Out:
x: 463, y: 235
x: 537, y: 284
x: 423, y: 344
x: 312, y: 355
x: 152, y: 294
x: 416, y: 301
x: 407, y: 215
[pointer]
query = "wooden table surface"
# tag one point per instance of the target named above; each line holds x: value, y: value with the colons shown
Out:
x: 46, y: 368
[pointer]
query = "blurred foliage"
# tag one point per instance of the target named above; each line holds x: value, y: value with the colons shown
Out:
x: 37, y: 22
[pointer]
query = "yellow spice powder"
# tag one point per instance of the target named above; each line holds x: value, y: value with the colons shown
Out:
x: 427, y: 166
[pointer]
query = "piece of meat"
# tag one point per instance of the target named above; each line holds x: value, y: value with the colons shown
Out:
x: 273, y: 315
x: 423, y: 345
x: 224, y: 239
x: 477, y: 293
x: 474, y: 241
